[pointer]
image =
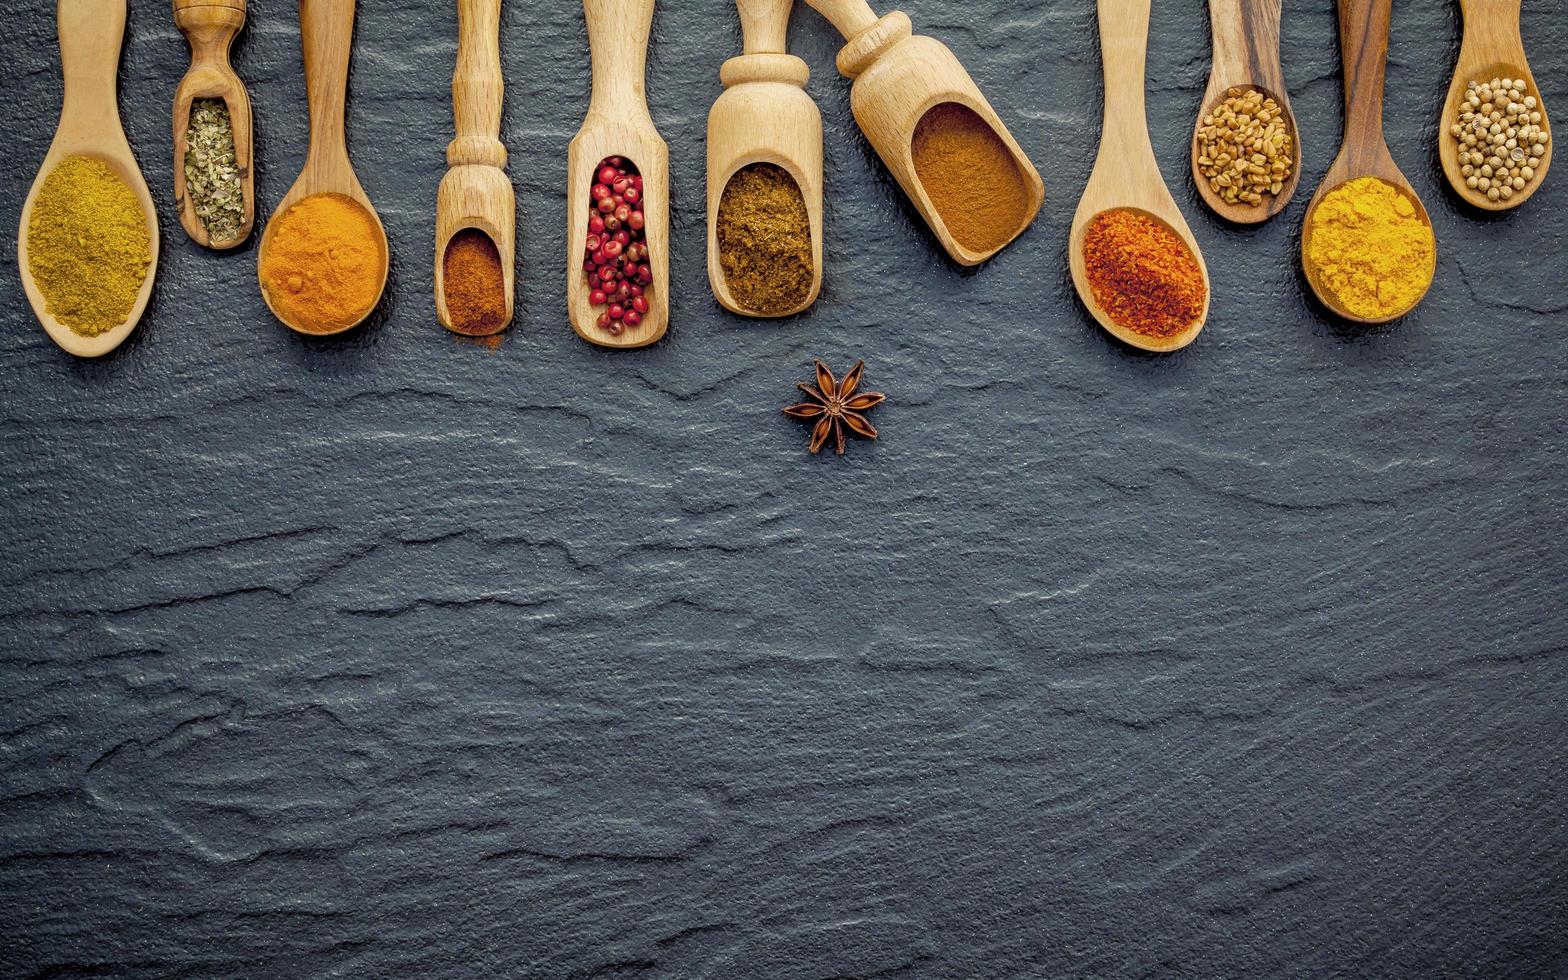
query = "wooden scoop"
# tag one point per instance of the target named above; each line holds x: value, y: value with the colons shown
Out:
x: 326, y: 30
x: 91, y: 32
x: 1126, y: 174
x: 1492, y: 48
x: 1363, y: 42
x: 210, y: 27
x: 476, y: 192
x: 1246, y: 55
x: 618, y: 124
x: 898, y: 77
x: 764, y: 116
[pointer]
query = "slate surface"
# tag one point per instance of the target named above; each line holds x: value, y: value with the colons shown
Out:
x: 399, y: 655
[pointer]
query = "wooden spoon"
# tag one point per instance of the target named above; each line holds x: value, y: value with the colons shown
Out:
x: 899, y: 76
x: 91, y: 32
x: 476, y: 192
x: 618, y: 124
x: 764, y: 116
x: 326, y: 30
x: 1126, y: 174
x: 210, y: 27
x: 1363, y: 42
x: 1492, y: 48
x: 1246, y: 55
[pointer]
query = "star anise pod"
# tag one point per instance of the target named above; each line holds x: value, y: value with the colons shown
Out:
x: 835, y: 406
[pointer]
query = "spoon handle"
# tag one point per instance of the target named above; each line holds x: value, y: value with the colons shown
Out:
x: 91, y: 33
x: 1246, y: 43
x: 1363, y: 45
x: 764, y: 24
x: 326, y: 32
x: 618, y: 43
x: 477, y: 86
x: 1124, y: 43
x: 851, y: 17
x: 1491, y: 28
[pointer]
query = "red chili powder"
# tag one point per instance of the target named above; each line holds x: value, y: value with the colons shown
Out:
x: 1142, y: 274
x: 475, y: 292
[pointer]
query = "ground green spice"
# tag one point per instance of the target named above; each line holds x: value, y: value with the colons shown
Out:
x: 764, y: 237
x: 212, y: 175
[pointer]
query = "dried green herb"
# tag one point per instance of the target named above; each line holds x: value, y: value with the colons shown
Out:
x: 212, y: 175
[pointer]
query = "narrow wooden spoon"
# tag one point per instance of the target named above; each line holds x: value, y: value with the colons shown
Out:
x: 210, y: 27
x: 764, y: 116
x: 326, y: 30
x: 1126, y: 173
x: 476, y: 192
x: 1363, y: 42
x: 899, y: 76
x: 1246, y: 55
x: 618, y: 124
x: 1492, y: 48
x: 91, y: 32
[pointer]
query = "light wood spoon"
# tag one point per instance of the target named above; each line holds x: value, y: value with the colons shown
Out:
x: 764, y: 116
x: 1246, y: 55
x: 618, y: 124
x: 210, y: 27
x: 476, y: 192
x: 91, y: 32
x: 898, y: 77
x: 326, y: 30
x: 1363, y: 43
x: 1492, y: 48
x: 1126, y: 173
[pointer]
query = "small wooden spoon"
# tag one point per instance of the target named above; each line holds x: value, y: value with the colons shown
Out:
x: 618, y: 124
x: 1126, y: 173
x: 764, y: 116
x: 476, y: 192
x: 326, y: 30
x: 1363, y: 42
x: 91, y: 32
x: 210, y: 27
x: 1492, y: 48
x: 898, y: 77
x: 1246, y: 55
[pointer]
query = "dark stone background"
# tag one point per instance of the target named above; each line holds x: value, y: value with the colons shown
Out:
x: 399, y: 655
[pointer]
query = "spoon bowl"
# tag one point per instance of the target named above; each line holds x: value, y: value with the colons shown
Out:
x: 1363, y: 32
x: 326, y: 35
x: 1126, y: 175
x: 1480, y: 59
x: 91, y: 33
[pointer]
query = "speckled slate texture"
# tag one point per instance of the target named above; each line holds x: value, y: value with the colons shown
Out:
x: 397, y: 655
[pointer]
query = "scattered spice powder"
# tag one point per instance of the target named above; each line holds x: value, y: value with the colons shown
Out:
x: 1368, y: 246
x: 1142, y: 274
x: 971, y: 177
x: 323, y: 265
x: 212, y: 176
x: 88, y: 246
x: 472, y: 282
x: 615, y: 254
x: 764, y: 235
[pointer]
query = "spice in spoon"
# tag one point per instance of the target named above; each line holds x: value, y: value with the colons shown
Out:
x: 615, y: 254
x: 1368, y: 247
x: 212, y: 177
x: 1245, y: 148
x: 472, y: 284
x: 1501, y: 139
x: 323, y: 263
x: 88, y: 245
x: 1142, y: 274
x: 764, y: 238
x: 970, y: 176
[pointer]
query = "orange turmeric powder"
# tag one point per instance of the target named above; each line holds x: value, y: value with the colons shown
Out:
x: 324, y: 262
